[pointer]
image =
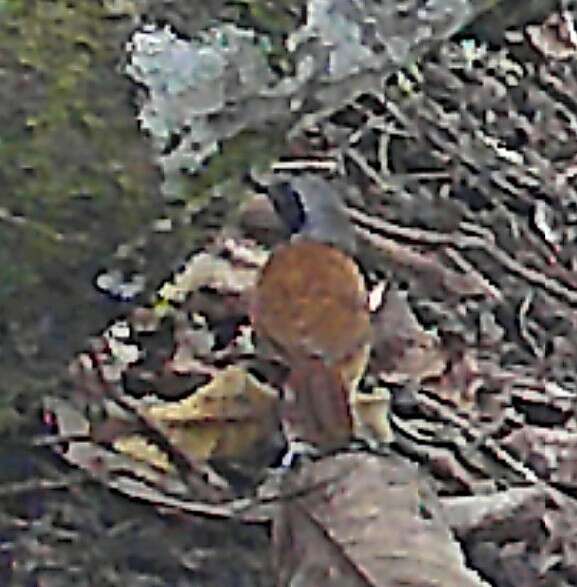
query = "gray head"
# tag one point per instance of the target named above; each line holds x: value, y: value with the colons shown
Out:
x: 311, y: 207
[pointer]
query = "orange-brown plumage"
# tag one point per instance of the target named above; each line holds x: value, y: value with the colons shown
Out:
x: 310, y: 306
x: 311, y: 301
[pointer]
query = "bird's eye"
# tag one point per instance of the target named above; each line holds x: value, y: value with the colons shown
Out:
x: 288, y: 205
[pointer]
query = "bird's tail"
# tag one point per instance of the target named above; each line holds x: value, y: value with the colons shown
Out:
x: 317, y: 406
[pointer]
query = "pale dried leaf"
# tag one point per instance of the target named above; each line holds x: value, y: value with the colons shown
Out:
x: 208, y: 270
x: 371, y: 412
x: 473, y: 512
x: 226, y: 418
x: 361, y: 520
x: 134, y: 478
x: 116, y: 471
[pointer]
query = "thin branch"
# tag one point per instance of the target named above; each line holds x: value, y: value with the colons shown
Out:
x: 464, y: 242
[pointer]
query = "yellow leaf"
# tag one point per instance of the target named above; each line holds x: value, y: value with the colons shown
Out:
x: 224, y: 419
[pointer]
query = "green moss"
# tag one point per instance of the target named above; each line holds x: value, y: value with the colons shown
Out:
x: 273, y: 16
x: 74, y: 169
x: 77, y: 180
x: 247, y: 149
x: 69, y: 143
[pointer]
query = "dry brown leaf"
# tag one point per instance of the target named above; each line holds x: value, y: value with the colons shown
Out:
x: 402, y: 349
x: 549, y: 451
x: 460, y: 382
x: 356, y: 520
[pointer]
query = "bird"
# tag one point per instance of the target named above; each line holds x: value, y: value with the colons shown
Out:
x: 310, y: 308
